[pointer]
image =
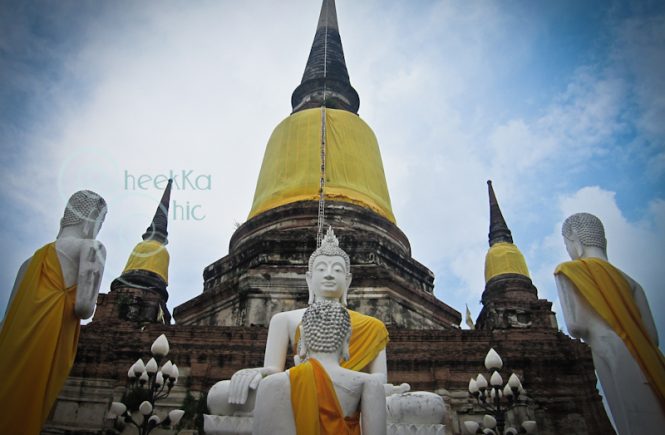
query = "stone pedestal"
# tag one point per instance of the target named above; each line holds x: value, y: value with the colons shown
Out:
x: 227, y: 425
x: 416, y: 429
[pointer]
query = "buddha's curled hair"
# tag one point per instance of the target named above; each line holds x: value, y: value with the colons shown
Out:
x: 83, y: 205
x: 326, y: 325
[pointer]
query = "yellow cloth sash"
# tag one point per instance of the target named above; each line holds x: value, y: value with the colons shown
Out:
x: 37, y: 344
x: 369, y: 337
x: 608, y: 292
x: 152, y: 256
x: 291, y: 168
x: 316, y: 409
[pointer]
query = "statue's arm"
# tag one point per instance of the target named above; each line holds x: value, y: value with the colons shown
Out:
x: 571, y: 305
x: 273, y: 414
x: 643, y: 306
x: 92, y: 257
x: 379, y: 366
x: 273, y: 362
x: 277, y: 344
x: 379, y: 369
x: 373, y: 406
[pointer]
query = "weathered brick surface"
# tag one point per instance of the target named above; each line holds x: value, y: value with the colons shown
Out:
x: 556, y: 371
x: 224, y: 328
x: 264, y: 272
x: 511, y: 301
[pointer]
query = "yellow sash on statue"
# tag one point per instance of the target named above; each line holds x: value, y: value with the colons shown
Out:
x: 608, y: 292
x: 37, y: 345
x: 316, y: 409
x: 369, y: 337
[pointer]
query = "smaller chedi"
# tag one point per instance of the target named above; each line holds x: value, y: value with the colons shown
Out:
x: 54, y: 290
x: 609, y: 311
x: 319, y: 395
x: 144, y: 280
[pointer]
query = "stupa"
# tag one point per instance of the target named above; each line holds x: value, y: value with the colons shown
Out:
x: 322, y: 139
x: 322, y: 164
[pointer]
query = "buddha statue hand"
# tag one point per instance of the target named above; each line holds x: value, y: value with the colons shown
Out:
x: 391, y: 389
x: 241, y: 382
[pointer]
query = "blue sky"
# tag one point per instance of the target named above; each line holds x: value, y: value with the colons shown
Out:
x: 560, y: 103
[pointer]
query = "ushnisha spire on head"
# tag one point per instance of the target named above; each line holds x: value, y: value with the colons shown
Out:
x: 330, y: 247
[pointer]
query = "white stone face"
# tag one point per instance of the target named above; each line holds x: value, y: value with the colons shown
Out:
x: 328, y: 277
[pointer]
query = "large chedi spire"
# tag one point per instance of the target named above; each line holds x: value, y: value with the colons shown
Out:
x: 326, y: 79
x: 323, y: 138
x: 322, y: 166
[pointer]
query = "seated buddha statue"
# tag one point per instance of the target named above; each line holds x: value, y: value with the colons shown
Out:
x: 319, y: 395
x: 328, y: 279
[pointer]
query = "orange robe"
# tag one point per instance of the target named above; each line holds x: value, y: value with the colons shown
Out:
x: 316, y: 409
x: 37, y: 344
x: 610, y: 295
x: 369, y: 337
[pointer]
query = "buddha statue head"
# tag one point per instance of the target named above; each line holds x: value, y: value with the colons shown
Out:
x: 584, y: 234
x: 84, y: 213
x: 326, y: 328
x: 329, y: 272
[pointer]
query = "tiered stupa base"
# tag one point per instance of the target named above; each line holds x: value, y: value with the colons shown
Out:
x: 264, y: 273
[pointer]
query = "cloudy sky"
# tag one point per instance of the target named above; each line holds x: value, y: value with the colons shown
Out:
x: 560, y: 103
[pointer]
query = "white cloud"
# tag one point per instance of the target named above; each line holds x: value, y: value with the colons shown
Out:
x: 579, y: 124
x: 640, y: 50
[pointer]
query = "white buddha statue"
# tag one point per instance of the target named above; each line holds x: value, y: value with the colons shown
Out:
x: 54, y: 290
x: 328, y: 279
x: 318, y: 395
x: 609, y: 311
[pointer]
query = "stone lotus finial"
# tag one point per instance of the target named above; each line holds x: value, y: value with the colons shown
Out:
x: 330, y: 247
